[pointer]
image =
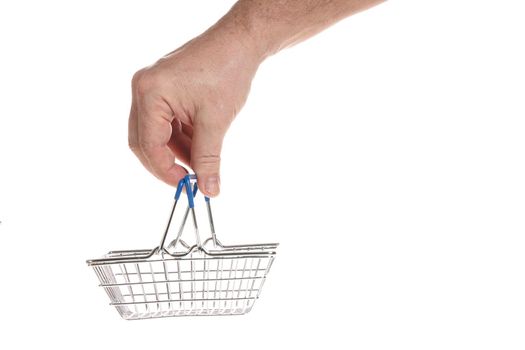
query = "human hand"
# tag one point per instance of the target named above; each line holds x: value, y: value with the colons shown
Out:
x: 183, y: 105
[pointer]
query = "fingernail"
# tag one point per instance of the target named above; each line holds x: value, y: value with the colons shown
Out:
x: 212, y: 185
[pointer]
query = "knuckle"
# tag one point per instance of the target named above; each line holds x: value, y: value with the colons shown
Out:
x: 152, y: 151
x: 135, y: 149
x: 132, y: 145
x: 206, y: 162
x: 136, y: 77
x: 146, y: 147
x: 144, y: 81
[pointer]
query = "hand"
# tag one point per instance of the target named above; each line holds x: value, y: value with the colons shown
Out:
x: 183, y: 105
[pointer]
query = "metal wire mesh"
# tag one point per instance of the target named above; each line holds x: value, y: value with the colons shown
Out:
x: 191, y: 286
x: 208, y: 278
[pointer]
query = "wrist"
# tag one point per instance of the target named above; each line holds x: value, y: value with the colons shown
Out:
x: 241, y: 30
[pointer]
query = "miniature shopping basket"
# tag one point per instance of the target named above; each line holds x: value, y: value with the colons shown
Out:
x: 177, y: 279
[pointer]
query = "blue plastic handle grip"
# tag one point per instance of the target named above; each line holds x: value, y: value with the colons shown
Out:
x: 179, y: 189
x: 185, y: 182
x: 189, y: 193
x: 195, y: 188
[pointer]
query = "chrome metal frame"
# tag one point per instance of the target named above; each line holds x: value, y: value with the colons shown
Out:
x: 177, y: 279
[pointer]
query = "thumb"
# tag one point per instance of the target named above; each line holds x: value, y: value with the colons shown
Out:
x: 206, y: 156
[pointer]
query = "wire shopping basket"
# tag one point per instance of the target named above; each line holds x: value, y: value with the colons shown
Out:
x: 177, y: 279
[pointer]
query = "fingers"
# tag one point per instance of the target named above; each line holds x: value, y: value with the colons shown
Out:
x: 205, y: 155
x: 162, y: 164
x: 149, y: 133
x: 133, y: 136
x: 157, y: 137
x: 154, y: 134
x: 187, y: 130
x: 180, y: 142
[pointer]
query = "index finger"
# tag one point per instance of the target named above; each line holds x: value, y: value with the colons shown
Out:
x: 154, y: 132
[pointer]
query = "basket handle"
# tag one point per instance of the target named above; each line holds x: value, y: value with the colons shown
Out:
x: 186, y: 183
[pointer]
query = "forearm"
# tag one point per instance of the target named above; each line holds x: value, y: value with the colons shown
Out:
x: 267, y: 26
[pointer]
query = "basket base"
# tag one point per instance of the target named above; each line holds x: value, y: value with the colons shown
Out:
x: 132, y: 315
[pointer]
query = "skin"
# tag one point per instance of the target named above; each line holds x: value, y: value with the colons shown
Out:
x: 183, y: 104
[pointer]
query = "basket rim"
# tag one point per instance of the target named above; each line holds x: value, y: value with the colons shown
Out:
x: 155, y: 254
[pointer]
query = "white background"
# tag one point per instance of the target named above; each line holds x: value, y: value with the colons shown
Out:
x: 386, y: 155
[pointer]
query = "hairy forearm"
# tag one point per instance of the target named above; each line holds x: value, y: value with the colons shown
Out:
x: 267, y: 26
